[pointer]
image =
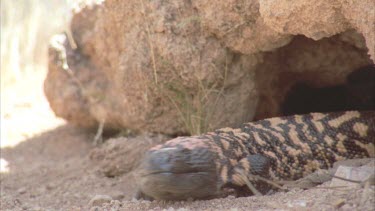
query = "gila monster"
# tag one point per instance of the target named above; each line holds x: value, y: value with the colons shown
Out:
x: 282, y: 148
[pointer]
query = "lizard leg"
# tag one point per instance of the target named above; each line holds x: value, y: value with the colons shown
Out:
x: 248, y: 171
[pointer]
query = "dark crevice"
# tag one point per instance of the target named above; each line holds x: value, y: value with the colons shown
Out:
x: 358, y: 93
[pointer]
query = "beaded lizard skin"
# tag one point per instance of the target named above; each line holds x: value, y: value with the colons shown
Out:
x: 283, y: 148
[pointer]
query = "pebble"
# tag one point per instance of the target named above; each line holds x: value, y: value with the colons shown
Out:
x: 21, y: 190
x: 118, y: 196
x: 4, y: 166
x: 50, y: 186
x: 99, y: 200
x: 339, y: 203
x: 297, y: 203
x: 95, y: 208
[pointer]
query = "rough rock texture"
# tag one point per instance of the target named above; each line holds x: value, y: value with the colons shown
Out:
x: 191, y: 66
x: 318, y: 19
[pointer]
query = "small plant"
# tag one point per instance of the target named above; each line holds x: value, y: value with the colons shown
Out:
x: 190, y: 108
x: 191, y: 104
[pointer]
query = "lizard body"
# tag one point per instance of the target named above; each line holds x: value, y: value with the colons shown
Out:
x: 282, y: 148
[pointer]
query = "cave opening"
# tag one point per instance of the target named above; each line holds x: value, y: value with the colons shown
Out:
x: 356, y: 93
x: 327, y: 75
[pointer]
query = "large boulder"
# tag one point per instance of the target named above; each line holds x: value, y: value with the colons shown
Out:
x: 178, y: 67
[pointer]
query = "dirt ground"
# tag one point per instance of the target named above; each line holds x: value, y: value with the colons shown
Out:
x: 53, y: 171
x: 61, y: 169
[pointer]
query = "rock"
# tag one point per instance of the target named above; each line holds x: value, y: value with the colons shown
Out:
x: 4, y: 166
x: 360, y: 174
x: 50, y: 186
x: 240, y: 26
x: 95, y: 208
x: 361, y: 17
x: 98, y: 200
x: 22, y: 190
x: 338, y: 203
x: 297, y: 203
x: 118, y: 196
x: 192, y: 66
x: 318, y: 19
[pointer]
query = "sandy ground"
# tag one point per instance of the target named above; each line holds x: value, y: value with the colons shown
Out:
x: 55, y: 170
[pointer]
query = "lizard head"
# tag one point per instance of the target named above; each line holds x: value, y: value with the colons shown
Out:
x: 179, y: 169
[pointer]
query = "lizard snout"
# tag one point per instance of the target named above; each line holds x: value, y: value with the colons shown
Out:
x: 177, y: 173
